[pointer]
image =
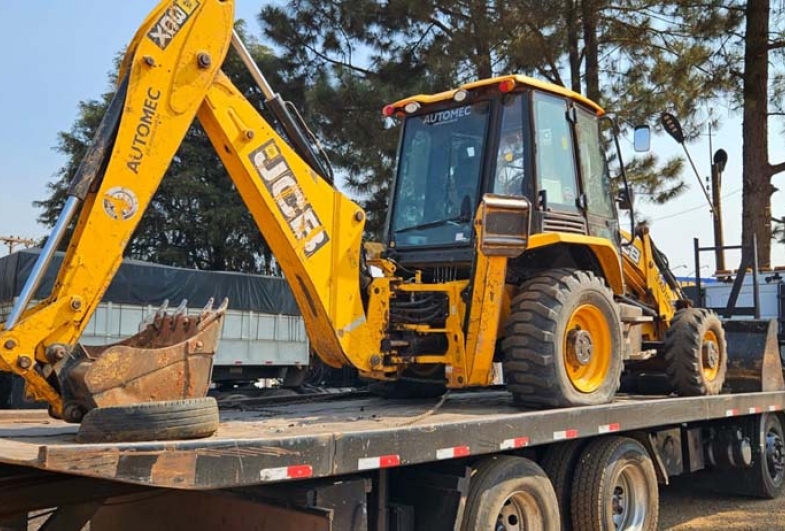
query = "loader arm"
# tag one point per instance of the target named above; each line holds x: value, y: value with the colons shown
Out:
x: 170, y: 75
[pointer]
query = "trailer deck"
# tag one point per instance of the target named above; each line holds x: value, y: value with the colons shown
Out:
x: 329, y: 437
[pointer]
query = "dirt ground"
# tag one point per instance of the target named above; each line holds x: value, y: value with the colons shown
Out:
x: 685, y: 507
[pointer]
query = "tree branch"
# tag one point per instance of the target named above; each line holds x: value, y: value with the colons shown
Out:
x: 777, y: 168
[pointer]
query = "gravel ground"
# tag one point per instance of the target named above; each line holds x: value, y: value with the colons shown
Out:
x: 685, y: 507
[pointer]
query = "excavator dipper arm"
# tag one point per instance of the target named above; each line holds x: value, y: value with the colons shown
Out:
x: 171, y: 73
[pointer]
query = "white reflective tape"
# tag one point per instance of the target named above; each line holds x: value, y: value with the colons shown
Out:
x: 274, y: 474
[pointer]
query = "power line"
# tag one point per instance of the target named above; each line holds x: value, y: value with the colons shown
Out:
x: 693, y: 209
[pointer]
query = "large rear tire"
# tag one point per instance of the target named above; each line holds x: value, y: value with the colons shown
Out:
x: 696, y: 353
x: 615, y: 487
x: 559, y: 462
x: 510, y: 493
x: 562, y: 341
x: 193, y: 418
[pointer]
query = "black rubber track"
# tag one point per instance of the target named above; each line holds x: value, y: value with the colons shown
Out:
x: 683, y: 352
x: 151, y: 421
x: 534, y: 361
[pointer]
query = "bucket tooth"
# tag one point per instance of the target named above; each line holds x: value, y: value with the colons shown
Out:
x: 171, y: 359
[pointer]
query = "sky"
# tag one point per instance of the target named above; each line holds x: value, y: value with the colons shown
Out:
x: 59, y: 53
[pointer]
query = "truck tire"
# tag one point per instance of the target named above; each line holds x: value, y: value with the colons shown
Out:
x: 615, y: 487
x: 193, y: 418
x: 766, y: 478
x: 558, y: 462
x: 696, y: 353
x: 562, y: 341
x: 510, y: 493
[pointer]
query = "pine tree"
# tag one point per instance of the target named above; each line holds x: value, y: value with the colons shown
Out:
x: 196, y: 218
x: 635, y: 57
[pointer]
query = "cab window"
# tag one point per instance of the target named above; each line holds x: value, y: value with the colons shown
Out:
x: 510, y: 159
x: 555, y: 158
x: 594, y: 169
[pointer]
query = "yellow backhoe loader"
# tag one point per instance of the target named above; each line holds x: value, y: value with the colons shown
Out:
x: 503, y: 245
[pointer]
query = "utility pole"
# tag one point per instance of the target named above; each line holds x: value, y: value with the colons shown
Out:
x: 717, y: 167
x: 13, y: 241
x: 672, y: 126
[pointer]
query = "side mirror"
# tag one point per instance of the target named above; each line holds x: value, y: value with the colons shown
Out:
x: 624, y: 200
x: 642, y: 138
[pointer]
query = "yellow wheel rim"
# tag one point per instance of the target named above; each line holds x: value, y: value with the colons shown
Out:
x: 587, y: 348
x: 710, y: 355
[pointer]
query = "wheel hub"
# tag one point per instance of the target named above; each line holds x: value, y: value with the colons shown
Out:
x: 629, y: 499
x: 519, y: 513
x: 775, y: 456
x: 581, y: 344
x: 711, y: 355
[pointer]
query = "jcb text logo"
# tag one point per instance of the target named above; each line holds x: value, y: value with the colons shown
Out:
x: 171, y: 21
x: 280, y: 181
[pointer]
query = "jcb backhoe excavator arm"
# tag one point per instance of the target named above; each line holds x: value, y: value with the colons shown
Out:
x: 171, y: 74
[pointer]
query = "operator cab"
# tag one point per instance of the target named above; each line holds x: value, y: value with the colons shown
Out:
x: 511, y: 136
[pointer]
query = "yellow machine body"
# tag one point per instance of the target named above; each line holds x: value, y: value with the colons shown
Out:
x: 375, y: 320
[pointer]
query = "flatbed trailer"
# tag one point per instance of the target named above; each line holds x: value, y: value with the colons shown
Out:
x: 366, y: 463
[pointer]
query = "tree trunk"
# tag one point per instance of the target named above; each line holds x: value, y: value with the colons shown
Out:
x: 757, y: 188
x: 571, y: 19
x: 482, y: 56
x: 590, y: 18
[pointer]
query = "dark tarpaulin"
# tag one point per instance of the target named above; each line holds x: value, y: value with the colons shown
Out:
x: 142, y: 283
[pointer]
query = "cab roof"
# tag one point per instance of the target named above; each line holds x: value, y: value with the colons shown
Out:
x: 519, y: 81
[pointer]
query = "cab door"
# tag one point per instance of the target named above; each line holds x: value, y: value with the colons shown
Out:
x: 558, y: 191
x: 595, y: 177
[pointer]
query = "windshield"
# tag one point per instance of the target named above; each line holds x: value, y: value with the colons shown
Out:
x: 439, y: 176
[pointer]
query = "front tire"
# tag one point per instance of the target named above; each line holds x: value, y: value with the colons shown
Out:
x: 562, y: 344
x: 696, y: 353
x: 511, y: 494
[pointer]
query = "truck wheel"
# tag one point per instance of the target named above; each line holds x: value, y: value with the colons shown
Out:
x: 766, y: 478
x: 559, y: 464
x: 615, y: 487
x: 562, y: 341
x: 509, y: 493
x: 193, y: 418
x: 696, y: 354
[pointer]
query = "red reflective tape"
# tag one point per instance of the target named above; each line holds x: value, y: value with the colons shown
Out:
x: 453, y: 452
x: 299, y: 471
x: 609, y: 428
x: 286, y: 472
x: 565, y: 434
x: 512, y: 444
x: 461, y: 451
x: 386, y: 461
x: 731, y: 412
x: 754, y: 410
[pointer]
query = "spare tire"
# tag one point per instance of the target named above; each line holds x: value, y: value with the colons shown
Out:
x: 193, y: 418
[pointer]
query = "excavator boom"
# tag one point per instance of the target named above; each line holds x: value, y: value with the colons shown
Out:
x: 169, y: 76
